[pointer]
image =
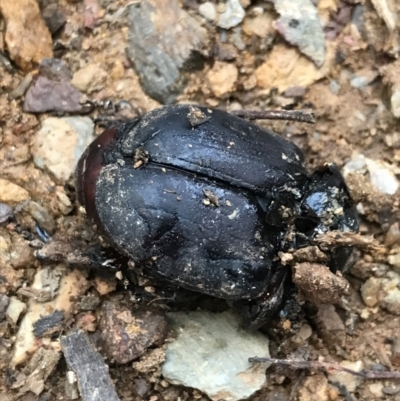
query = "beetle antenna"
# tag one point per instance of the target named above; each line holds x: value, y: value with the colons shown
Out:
x: 288, y: 115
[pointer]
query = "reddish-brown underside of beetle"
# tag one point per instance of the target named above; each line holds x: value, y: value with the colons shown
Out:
x: 88, y: 170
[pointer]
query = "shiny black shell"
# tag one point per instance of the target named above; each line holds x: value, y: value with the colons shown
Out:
x: 208, y: 205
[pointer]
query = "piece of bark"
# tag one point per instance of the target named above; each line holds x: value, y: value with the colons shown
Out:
x: 39, y: 368
x: 48, y: 324
x: 94, y: 381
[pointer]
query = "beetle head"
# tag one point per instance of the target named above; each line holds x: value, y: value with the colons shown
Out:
x: 327, y: 206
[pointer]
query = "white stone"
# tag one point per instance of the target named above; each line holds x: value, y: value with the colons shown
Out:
x: 208, y: 11
x: 59, y: 144
x: 348, y: 380
x: 382, y: 178
x: 395, y: 103
x: 14, y: 310
x: 382, y: 175
x: 376, y: 389
x: 355, y: 165
x: 232, y: 16
x: 211, y: 354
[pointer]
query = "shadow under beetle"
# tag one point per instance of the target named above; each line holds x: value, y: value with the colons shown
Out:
x: 205, y: 200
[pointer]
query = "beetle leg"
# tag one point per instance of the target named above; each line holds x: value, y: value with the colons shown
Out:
x: 258, y: 311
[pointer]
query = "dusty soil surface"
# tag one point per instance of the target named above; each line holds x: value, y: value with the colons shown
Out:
x: 254, y: 67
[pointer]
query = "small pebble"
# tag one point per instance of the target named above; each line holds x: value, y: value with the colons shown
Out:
x: 383, y: 179
x: 376, y: 389
x: 351, y: 382
x: 71, y: 386
x: 127, y: 334
x: 394, y: 260
x: 222, y: 78
x: 42, y: 216
x: 4, y: 301
x: 12, y: 194
x: 25, y: 34
x: 59, y: 144
x: 89, y: 78
x: 14, y: 310
x: 369, y: 291
x: 232, y: 16
x: 381, y: 175
x: 300, y: 25
x: 314, y: 388
x: 47, y: 95
x: 362, y: 81
x: 64, y: 203
x: 5, y: 212
x: 208, y: 11
x: 392, y: 236
x: 55, y: 69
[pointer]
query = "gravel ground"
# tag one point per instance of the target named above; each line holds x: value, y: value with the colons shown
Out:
x: 336, y: 58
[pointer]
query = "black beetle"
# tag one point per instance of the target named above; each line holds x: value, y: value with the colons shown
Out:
x: 205, y: 200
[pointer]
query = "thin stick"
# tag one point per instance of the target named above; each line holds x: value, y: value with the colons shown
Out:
x: 288, y: 115
x: 328, y: 367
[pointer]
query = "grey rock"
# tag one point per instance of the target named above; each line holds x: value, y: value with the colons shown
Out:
x: 89, y: 302
x: 295, y: 91
x: 278, y: 393
x: 164, y: 41
x: 55, y: 69
x: 363, y: 78
x: 330, y: 326
x: 299, y: 24
x: 142, y: 387
x: 5, y: 212
x: 47, y: 95
x: 357, y: 19
x: 4, y: 301
x: 41, y: 214
x: 211, y: 354
x: 334, y: 86
x: 232, y: 16
x: 53, y: 15
x: 59, y: 144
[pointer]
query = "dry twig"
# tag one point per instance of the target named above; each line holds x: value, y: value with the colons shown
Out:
x: 339, y: 238
x: 287, y: 115
x: 328, y: 367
